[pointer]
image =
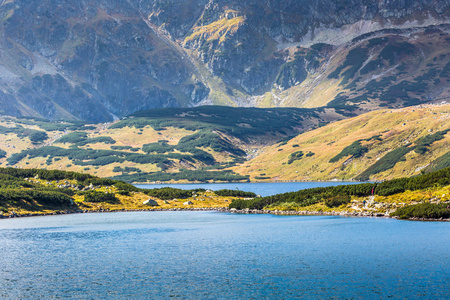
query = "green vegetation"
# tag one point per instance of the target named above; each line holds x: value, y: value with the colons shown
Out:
x: 126, y: 170
x: 52, y: 126
x: 355, y: 150
x: 207, y: 139
x: 439, y: 163
x: 214, y: 128
x: 423, y: 143
x: 395, y: 186
x: 337, y: 201
x: 3, y: 153
x: 86, y: 157
x: 376, y: 42
x: 306, y: 197
x: 387, y: 162
x: 25, y: 198
x: 295, y: 156
x: 234, y: 193
x: 243, y: 123
x: 120, y: 148
x: 16, y: 191
x: 81, y: 139
x: 167, y: 193
x: 188, y: 175
x: 35, y: 190
x: 423, y: 210
x: 371, y: 66
x: 35, y: 136
x: 159, y: 147
x: 332, y: 196
x: 97, y: 197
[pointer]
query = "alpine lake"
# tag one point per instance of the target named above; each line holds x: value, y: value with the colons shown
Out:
x: 220, y: 255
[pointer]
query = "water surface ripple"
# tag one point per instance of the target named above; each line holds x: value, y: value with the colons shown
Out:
x: 213, y: 255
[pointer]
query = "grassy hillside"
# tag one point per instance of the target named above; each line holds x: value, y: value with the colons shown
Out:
x: 379, y: 145
x: 424, y: 196
x: 38, y: 191
x: 194, y: 144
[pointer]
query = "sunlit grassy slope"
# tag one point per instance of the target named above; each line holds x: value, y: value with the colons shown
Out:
x: 378, y: 132
x: 149, y: 145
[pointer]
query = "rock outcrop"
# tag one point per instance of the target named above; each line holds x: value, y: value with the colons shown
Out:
x: 98, y: 60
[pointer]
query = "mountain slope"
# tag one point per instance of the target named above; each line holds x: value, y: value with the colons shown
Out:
x: 89, y: 60
x: 232, y: 144
x: 391, y: 68
x: 194, y: 144
x: 379, y: 145
x: 97, y: 60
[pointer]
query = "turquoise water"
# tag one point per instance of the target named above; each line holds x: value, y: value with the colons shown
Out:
x: 263, y: 188
x: 213, y: 255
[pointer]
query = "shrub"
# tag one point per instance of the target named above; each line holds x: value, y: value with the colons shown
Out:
x: 386, y: 162
x: 167, y: 193
x: 424, y: 210
x: 355, y: 150
x: 234, y: 193
x: 337, y: 200
x: 295, y: 156
x: 37, y: 137
x: 97, y: 197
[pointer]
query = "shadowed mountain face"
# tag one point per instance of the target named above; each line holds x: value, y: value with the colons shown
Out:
x: 96, y: 60
x: 89, y: 60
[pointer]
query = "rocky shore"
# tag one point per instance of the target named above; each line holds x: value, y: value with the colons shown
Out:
x: 69, y: 212
x: 224, y: 209
x: 323, y: 213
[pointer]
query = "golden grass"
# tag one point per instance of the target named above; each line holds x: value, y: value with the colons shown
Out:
x: 218, y: 30
x: 133, y: 202
x: 397, y: 128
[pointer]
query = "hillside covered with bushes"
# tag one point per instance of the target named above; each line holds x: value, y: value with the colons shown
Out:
x: 224, y: 144
x: 423, y: 196
x: 196, y: 144
x: 36, y: 191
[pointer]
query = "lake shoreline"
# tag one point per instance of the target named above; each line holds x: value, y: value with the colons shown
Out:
x: 333, y: 213
x: 68, y: 212
x: 234, y: 211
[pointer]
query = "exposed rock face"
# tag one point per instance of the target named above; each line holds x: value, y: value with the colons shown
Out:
x: 96, y: 60
x: 247, y: 58
x: 89, y: 60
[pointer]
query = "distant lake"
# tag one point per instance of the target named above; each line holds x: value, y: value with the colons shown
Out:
x: 263, y: 188
x: 213, y: 255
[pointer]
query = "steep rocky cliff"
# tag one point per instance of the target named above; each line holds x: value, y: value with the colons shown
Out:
x: 96, y: 60
x: 252, y: 44
x: 90, y: 60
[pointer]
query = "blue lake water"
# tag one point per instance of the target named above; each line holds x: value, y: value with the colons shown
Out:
x: 214, y: 255
x: 263, y: 188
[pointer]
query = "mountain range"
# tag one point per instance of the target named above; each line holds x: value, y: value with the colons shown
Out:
x: 98, y: 61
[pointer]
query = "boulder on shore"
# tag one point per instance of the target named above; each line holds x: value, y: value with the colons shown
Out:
x: 150, y: 202
x: 188, y: 203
